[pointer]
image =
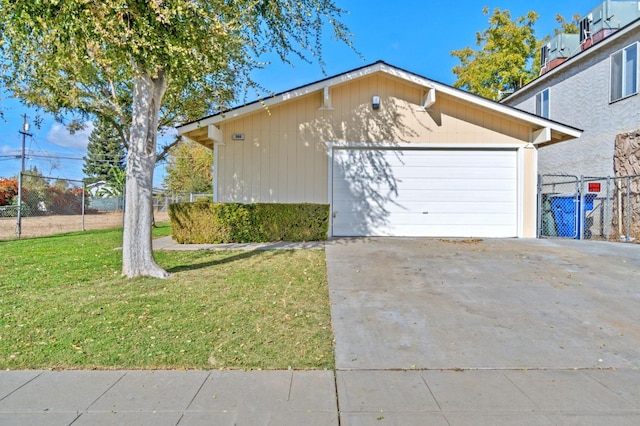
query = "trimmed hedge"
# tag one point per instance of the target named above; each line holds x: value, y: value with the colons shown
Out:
x: 204, y: 222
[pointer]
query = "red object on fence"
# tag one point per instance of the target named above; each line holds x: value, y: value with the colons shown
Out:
x: 594, y: 186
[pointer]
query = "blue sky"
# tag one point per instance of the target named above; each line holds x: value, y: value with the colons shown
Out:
x: 416, y: 35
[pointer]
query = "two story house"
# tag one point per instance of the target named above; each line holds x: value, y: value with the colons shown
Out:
x: 590, y: 81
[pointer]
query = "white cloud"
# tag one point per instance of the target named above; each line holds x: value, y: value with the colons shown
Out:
x: 59, y: 135
x: 8, y: 150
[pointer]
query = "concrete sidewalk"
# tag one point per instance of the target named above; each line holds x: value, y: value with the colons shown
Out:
x: 428, y: 397
x: 167, y: 243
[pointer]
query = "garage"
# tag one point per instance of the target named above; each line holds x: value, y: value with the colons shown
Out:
x: 389, y: 151
x: 422, y: 192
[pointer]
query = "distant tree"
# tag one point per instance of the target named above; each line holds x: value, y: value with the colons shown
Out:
x: 35, y: 180
x: 504, y: 60
x: 61, y: 184
x: 116, y: 183
x: 105, y: 152
x: 8, y: 190
x: 35, y: 191
x: 189, y: 168
x: 567, y: 27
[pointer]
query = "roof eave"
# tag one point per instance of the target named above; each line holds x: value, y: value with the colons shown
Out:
x: 533, y: 120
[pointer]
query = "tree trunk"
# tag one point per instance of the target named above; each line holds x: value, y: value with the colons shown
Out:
x: 137, y: 253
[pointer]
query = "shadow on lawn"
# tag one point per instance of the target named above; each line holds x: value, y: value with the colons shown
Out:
x: 233, y: 258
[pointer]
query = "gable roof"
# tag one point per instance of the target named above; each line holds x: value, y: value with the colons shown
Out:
x: 556, y: 131
x: 632, y: 27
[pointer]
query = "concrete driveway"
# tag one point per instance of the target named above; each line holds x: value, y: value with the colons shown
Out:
x: 403, y: 303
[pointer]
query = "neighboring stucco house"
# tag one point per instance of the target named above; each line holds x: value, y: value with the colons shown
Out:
x: 591, y: 82
x: 392, y: 153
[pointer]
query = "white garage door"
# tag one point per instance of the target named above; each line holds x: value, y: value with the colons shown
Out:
x: 433, y: 193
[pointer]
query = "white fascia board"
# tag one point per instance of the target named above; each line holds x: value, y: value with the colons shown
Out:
x: 390, y: 70
x: 305, y: 90
x: 422, y: 146
x: 404, y: 75
x: 480, y: 101
x: 286, y: 96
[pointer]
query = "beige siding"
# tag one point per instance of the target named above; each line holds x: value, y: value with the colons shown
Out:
x: 284, y: 157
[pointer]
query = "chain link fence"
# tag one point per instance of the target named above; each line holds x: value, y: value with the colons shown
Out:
x: 54, y: 205
x: 589, y: 207
x: 161, y: 201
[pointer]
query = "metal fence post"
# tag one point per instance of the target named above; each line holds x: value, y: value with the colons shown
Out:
x: 19, y: 212
x: 83, y: 191
x: 540, y: 208
x: 581, y: 210
x: 607, y: 211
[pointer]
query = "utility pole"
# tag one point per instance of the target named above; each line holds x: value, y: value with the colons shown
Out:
x: 23, y: 132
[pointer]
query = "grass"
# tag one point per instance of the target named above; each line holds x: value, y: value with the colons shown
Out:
x: 64, y: 304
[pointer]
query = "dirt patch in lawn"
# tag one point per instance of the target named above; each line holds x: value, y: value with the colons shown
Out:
x: 48, y: 225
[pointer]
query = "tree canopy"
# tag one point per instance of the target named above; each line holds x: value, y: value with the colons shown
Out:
x: 504, y: 60
x: 189, y: 168
x: 143, y: 65
x: 567, y: 27
x: 508, y: 54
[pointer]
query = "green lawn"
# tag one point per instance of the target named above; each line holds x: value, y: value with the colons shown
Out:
x: 63, y: 304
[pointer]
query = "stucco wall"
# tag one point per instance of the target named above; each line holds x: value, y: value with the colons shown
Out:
x: 284, y: 155
x: 579, y: 97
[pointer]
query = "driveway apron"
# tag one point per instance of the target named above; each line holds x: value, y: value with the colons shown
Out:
x: 416, y: 303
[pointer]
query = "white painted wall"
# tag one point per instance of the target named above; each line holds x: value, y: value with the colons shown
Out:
x: 579, y: 97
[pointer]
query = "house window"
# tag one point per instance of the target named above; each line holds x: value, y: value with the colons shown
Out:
x: 624, y: 72
x: 542, y: 103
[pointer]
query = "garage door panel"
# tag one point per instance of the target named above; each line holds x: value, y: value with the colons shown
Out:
x: 448, y: 184
x: 444, y: 218
x: 403, y: 173
x: 457, y: 196
x: 422, y: 158
x: 481, y: 162
x: 425, y: 193
x: 440, y: 197
x: 461, y: 207
x: 430, y: 185
x: 440, y: 170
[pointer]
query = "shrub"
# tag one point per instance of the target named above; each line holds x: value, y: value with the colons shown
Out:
x: 204, y: 222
